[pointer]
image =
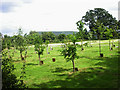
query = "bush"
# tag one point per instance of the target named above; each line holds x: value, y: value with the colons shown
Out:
x: 9, y: 80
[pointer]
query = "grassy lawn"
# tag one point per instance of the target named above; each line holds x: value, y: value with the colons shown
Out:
x: 94, y: 71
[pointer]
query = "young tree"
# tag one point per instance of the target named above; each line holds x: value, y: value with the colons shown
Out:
x: 70, y: 51
x: 114, y: 34
x: 80, y: 34
x: 39, y: 47
x: 46, y: 43
x: 109, y: 35
x: 99, y: 30
x: 90, y: 37
x: 21, y: 44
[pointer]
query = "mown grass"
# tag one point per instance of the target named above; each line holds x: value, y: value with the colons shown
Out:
x: 94, y: 71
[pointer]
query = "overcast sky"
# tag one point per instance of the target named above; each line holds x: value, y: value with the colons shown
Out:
x: 48, y: 15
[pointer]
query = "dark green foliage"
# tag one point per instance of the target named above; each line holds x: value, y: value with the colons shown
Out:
x: 9, y: 80
x: 31, y: 37
x: 20, y: 43
x: 6, y: 42
x: 70, y: 52
x: 61, y: 37
x: 39, y: 48
x: 101, y: 15
x: 48, y: 36
x: 99, y: 29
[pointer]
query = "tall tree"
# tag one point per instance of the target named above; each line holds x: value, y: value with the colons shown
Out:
x: 101, y: 15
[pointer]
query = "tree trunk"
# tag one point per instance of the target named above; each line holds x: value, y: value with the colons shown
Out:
x: 90, y: 43
x: 22, y: 58
x: 82, y: 44
x: 8, y: 53
x: 112, y: 44
x: 109, y: 45
x: 25, y: 53
x: 65, y: 46
x: 14, y: 49
x: 73, y: 65
x: 99, y: 47
x: 39, y: 60
x: 47, y: 49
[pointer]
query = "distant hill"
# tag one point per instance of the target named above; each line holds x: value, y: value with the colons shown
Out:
x: 60, y: 32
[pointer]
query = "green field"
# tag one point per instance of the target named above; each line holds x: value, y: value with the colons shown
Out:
x: 94, y: 71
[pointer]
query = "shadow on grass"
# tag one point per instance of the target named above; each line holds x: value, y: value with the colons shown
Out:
x: 16, y: 60
x: 96, y: 57
x: 95, y: 51
x: 97, y: 77
x: 31, y: 64
x: 60, y: 69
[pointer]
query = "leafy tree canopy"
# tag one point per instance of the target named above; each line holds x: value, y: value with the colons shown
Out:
x: 92, y: 16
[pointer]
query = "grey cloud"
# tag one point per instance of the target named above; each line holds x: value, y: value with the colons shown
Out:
x: 6, y: 7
